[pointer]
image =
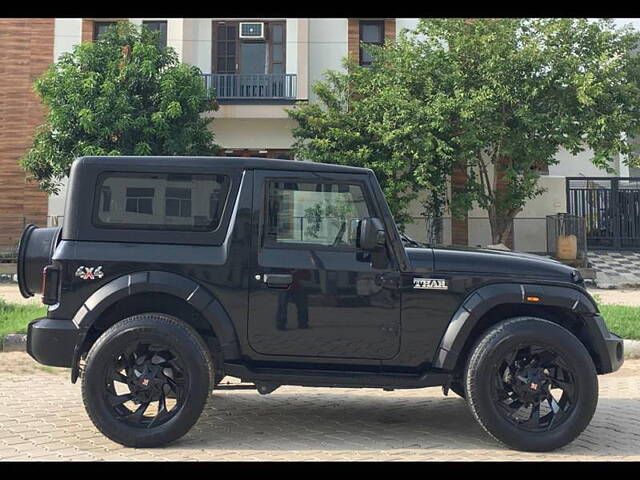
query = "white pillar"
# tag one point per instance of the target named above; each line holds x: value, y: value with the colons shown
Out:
x: 175, y: 35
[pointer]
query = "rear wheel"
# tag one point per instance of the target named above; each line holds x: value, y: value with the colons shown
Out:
x: 531, y: 384
x: 146, y: 380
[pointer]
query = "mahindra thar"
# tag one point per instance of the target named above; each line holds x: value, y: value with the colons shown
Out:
x: 171, y: 273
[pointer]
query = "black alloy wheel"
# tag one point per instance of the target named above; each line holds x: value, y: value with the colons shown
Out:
x: 534, y: 388
x: 531, y: 384
x: 147, y: 379
x: 145, y: 384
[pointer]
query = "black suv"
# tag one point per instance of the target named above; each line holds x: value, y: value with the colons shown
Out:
x: 172, y: 272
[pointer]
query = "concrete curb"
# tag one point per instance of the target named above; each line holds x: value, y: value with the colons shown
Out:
x: 632, y: 348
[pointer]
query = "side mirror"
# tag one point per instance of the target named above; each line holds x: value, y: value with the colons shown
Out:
x: 371, y: 234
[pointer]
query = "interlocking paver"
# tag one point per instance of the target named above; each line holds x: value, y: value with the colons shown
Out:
x: 296, y: 423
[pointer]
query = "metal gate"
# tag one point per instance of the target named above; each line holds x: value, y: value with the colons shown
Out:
x: 611, y: 209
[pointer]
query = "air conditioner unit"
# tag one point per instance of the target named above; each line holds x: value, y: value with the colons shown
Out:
x: 252, y: 30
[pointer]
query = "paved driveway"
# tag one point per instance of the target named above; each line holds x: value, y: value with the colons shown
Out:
x: 42, y: 418
x: 615, y: 269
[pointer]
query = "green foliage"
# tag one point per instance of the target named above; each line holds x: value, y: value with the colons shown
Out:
x: 14, y: 318
x: 371, y: 118
x: 499, y: 97
x: 524, y: 88
x: 119, y: 95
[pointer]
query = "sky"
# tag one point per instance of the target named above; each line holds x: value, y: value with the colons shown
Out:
x: 620, y: 22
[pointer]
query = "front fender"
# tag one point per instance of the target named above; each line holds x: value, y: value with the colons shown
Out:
x: 485, y: 298
x: 157, y: 282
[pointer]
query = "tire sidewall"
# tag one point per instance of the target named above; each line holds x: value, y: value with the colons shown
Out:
x: 485, y: 360
x: 112, y: 343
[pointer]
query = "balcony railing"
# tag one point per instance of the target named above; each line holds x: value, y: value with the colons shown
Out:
x: 271, y: 86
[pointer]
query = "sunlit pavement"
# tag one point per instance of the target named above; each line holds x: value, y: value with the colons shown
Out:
x: 42, y: 418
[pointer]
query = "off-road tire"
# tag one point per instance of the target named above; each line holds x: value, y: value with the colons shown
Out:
x: 197, y: 360
x: 482, y: 362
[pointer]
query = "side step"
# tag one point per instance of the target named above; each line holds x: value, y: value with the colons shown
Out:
x: 261, y: 388
x: 234, y: 386
x: 335, y: 378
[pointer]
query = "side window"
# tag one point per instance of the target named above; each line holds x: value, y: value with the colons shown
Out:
x: 160, y: 201
x: 314, y: 213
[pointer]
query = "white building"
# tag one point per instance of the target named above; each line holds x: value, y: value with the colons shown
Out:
x: 262, y: 66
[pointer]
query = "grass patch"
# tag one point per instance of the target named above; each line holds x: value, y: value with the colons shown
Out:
x: 622, y: 320
x: 14, y: 318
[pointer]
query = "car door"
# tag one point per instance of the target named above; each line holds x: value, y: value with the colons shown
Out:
x: 312, y: 292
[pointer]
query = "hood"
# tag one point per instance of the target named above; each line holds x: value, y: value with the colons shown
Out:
x: 483, y: 261
x: 421, y: 259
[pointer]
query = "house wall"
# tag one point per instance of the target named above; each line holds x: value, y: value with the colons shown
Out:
x: 27, y: 51
x: 570, y: 165
x: 327, y: 47
x: 530, y: 224
x: 252, y: 133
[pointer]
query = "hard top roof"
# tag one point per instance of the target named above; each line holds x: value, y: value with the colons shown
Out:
x: 227, y: 162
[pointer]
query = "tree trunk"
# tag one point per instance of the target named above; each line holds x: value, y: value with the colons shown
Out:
x: 500, y: 219
x: 501, y: 227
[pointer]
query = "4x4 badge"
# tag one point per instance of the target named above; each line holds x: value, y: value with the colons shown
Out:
x: 89, y: 273
x: 430, y: 283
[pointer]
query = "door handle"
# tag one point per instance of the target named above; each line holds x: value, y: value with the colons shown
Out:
x: 278, y: 280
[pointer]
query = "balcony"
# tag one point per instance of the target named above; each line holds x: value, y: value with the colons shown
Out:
x: 252, y: 88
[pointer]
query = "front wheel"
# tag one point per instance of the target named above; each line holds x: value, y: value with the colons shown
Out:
x: 146, y: 380
x: 531, y: 384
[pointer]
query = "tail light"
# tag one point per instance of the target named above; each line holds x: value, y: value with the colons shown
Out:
x: 50, y: 284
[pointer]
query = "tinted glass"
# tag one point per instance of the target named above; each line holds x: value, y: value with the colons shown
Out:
x: 314, y: 213
x: 372, y: 32
x: 277, y: 53
x: 161, y: 28
x: 101, y: 27
x: 365, y: 58
x: 276, y: 33
x: 106, y: 199
x: 225, y: 51
x: 252, y: 57
x: 161, y: 201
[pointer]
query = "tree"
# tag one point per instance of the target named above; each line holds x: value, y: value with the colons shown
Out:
x: 370, y: 117
x: 120, y: 95
x: 503, y: 96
